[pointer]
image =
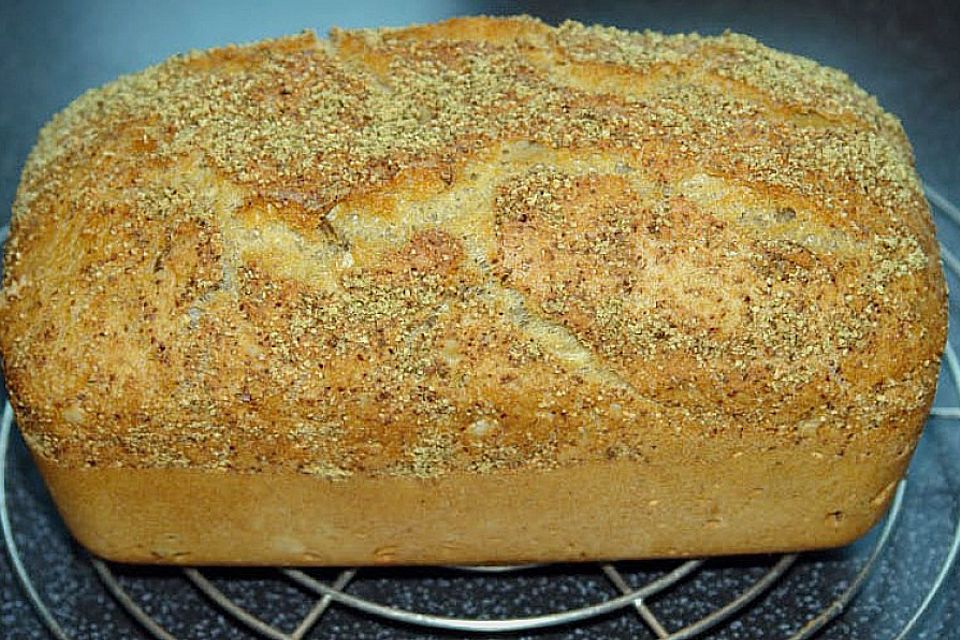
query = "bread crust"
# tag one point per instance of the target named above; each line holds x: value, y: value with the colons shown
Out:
x: 783, y: 500
x: 483, y: 247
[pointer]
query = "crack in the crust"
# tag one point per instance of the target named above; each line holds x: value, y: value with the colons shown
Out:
x: 639, y: 84
x: 557, y: 340
x: 353, y: 62
x: 465, y: 210
x: 330, y: 232
x: 764, y: 217
x: 562, y: 71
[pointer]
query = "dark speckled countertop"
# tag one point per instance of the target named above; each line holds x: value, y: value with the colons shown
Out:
x: 906, y: 53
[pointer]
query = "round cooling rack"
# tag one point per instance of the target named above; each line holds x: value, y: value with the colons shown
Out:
x: 899, y: 571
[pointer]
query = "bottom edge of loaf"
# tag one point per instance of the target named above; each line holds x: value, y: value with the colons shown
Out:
x: 609, y: 510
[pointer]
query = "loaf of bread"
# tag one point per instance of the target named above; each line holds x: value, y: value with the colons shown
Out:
x: 482, y: 291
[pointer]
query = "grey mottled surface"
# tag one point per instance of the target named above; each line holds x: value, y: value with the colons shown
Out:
x: 907, y: 53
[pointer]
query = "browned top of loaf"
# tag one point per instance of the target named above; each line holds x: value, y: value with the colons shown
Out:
x: 473, y: 245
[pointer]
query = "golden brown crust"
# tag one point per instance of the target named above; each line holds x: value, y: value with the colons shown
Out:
x: 680, y: 505
x: 486, y: 244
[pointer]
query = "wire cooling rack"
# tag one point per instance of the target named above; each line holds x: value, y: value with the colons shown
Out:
x: 632, y: 586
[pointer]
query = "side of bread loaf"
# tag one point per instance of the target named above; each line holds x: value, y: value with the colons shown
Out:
x: 458, y: 258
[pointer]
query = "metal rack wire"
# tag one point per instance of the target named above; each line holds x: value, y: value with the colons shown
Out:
x: 630, y: 597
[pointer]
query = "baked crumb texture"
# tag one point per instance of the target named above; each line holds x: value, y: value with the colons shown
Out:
x: 484, y: 244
